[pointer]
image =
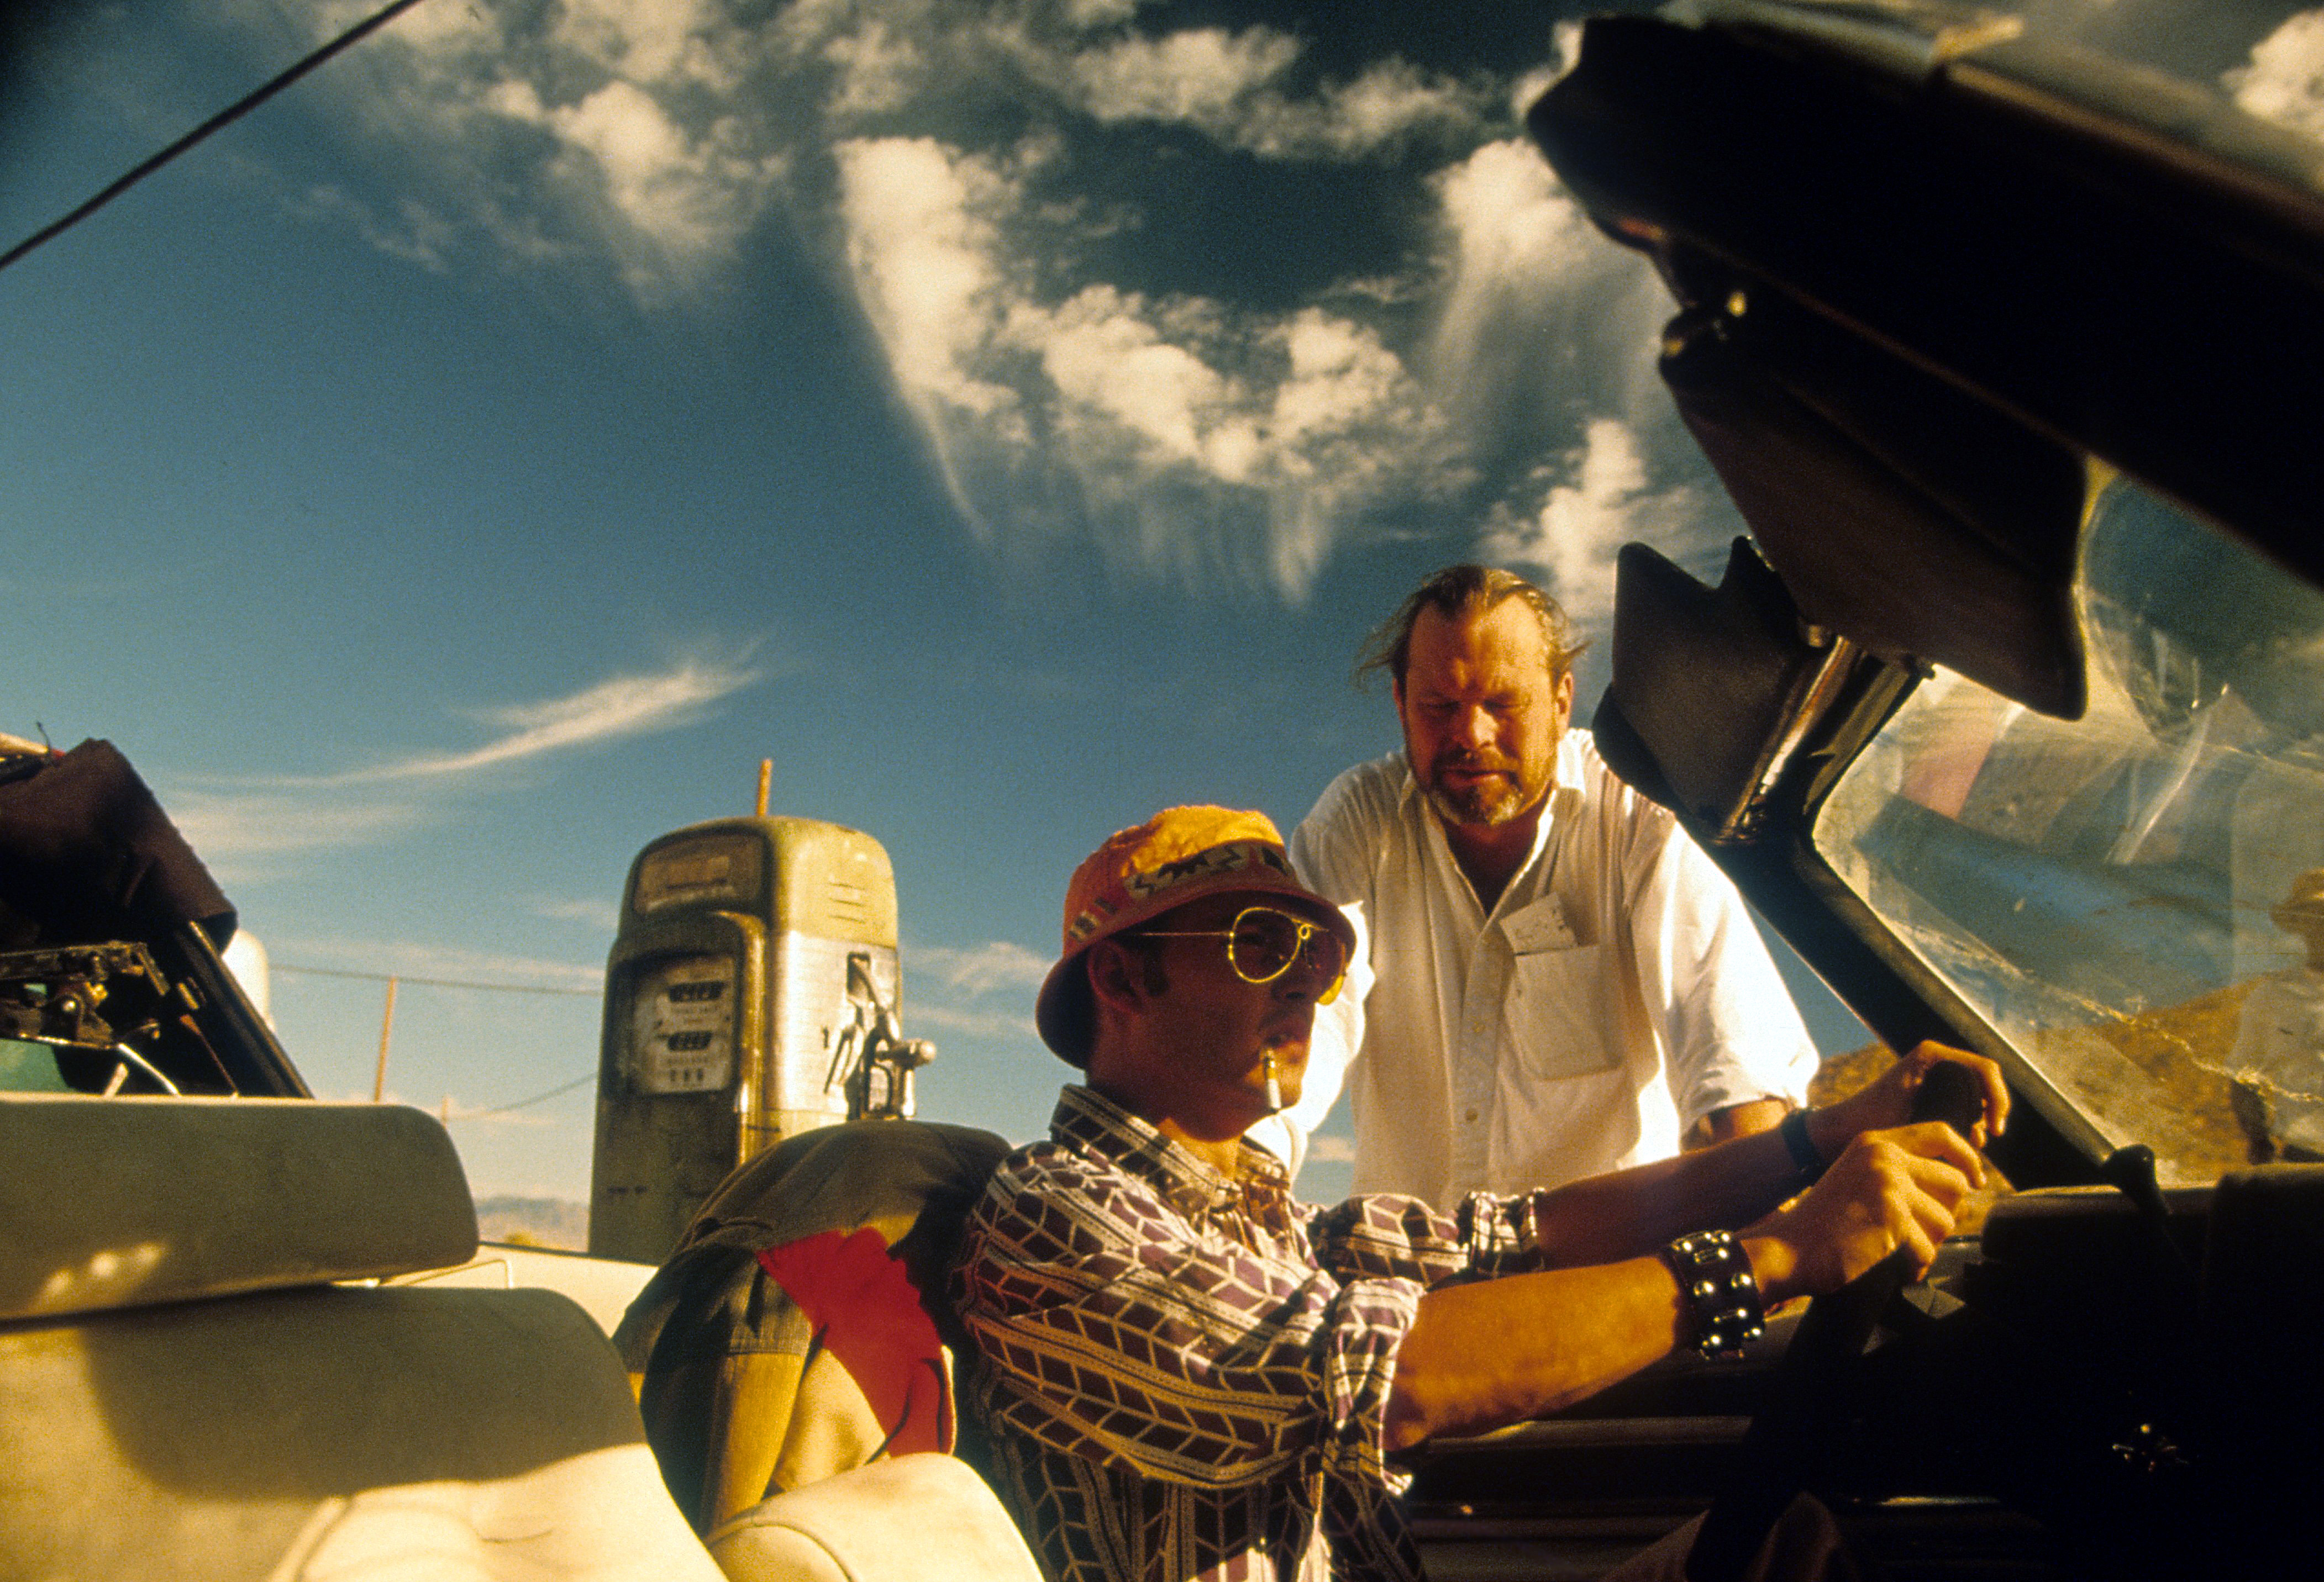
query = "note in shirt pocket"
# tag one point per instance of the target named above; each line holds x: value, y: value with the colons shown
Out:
x: 1561, y: 1014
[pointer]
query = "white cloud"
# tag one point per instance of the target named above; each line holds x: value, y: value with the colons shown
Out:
x: 415, y: 233
x: 921, y: 245
x: 1104, y: 356
x: 1518, y: 245
x: 880, y: 69
x: 1389, y: 101
x: 647, y: 41
x: 1595, y: 503
x: 244, y: 830
x: 1326, y: 1150
x: 1339, y: 376
x: 1200, y: 442
x: 1354, y: 429
x: 998, y: 967
x: 242, y: 833
x: 602, y: 914
x: 940, y: 153
x: 1097, y: 13
x: 624, y: 706
x: 995, y: 1025
x: 596, y: 129
x: 664, y: 182
x: 1566, y: 53
x: 2284, y: 82
x: 1205, y: 76
x: 1225, y: 86
x: 998, y: 964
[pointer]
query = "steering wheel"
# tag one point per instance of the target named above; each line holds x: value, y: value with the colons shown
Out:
x: 1780, y: 1453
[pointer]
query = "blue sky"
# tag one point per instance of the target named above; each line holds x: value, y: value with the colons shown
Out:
x: 1007, y: 418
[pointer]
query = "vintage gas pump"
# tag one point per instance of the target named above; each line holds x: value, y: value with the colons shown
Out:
x: 751, y: 996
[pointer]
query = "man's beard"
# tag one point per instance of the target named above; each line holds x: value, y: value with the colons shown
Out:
x: 1484, y: 804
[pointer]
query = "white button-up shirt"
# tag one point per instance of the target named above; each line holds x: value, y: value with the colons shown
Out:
x: 1615, y: 993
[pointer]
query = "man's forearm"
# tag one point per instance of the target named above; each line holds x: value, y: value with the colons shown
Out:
x: 1635, y: 1211
x: 1737, y: 1120
x: 1481, y: 1356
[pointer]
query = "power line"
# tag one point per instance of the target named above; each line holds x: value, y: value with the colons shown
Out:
x: 394, y: 979
x: 537, y: 1097
x: 431, y: 982
x: 232, y: 112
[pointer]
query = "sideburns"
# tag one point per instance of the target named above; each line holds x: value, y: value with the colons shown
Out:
x: 1151, y: 978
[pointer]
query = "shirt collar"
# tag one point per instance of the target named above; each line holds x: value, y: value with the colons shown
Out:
x: 1088, y: 1118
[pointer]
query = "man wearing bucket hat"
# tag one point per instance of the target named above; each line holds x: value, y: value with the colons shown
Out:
x: 2278, y: 1061
x: 1184, y: 1374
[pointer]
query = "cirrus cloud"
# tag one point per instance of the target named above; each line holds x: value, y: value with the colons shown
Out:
x: 1593, y: 500
x: 995, y: 965
x: 245, y: 827
x: 1229, y: 86
x: 1004, y: 191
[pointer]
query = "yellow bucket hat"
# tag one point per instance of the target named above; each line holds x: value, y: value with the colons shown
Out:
x: 1178, y: 856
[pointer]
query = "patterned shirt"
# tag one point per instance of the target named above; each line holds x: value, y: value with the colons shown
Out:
x: 1183, y: 1376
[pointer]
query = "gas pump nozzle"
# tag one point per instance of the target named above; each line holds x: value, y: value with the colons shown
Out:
x: 872, y: 1061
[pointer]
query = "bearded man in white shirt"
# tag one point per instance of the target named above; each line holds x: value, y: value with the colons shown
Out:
x: 1555, y: 981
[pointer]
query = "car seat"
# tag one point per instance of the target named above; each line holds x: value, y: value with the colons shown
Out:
x: 201, y: 1379
x: 800, y: 1328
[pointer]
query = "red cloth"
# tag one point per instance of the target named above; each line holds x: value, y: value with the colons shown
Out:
x: 867, y: 1313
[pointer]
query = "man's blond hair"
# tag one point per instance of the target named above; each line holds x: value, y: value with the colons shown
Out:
x: 1457, y: 590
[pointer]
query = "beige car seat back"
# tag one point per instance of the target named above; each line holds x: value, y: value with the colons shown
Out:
x: 187, y: 1392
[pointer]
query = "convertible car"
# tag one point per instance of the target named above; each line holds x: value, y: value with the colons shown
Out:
x: 2006, y: 713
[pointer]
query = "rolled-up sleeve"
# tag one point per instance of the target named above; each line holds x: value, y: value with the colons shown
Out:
x: 1729, y: 1026
x: 1390, y: 1235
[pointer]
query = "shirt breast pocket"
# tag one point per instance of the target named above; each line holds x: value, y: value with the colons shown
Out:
x: 1560, y: 1013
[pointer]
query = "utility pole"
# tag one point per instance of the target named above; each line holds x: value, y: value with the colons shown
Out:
x: 387, y: 1026
x: 766, y: 780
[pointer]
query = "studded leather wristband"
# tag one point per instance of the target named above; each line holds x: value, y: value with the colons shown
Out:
x: 1722, y: 1295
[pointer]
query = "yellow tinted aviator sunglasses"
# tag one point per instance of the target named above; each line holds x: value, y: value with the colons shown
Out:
x: 1264, y: 942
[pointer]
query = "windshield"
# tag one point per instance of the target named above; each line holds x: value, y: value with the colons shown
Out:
x: 2134, y: 899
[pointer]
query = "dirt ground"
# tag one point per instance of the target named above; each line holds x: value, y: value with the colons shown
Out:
x: 2150, y: 1072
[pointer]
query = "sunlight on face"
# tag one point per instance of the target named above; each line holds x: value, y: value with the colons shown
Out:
x: 1482, y: 713
x: 1230, y: 1033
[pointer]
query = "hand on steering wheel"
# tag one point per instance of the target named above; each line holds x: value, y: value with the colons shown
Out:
x: 1892, y: 1192
x: 1778, y: 1455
